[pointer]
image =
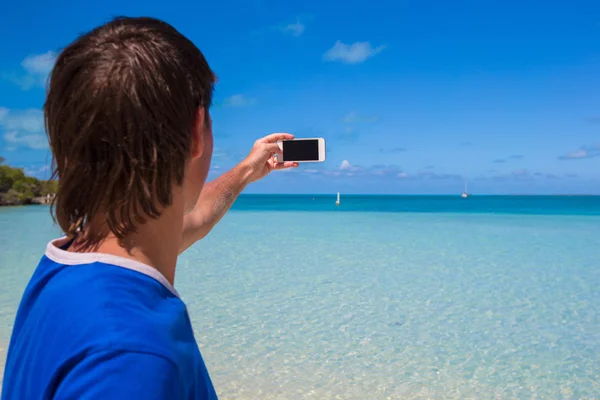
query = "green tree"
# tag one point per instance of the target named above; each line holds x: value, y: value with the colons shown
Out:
x: 48, y: 187
x: 18, y: 188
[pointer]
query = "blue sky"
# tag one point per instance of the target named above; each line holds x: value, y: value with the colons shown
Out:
x: 411, y: 96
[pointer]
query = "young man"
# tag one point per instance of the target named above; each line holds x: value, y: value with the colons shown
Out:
x: 127, y: 116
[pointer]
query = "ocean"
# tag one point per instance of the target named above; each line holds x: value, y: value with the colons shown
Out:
x: 383, y: 297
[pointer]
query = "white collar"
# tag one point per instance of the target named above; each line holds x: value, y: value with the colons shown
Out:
x: 60, y: 256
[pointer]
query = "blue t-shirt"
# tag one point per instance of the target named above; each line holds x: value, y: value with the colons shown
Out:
x: 97, y: 326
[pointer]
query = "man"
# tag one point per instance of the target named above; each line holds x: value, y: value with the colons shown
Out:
x: 127, y: 117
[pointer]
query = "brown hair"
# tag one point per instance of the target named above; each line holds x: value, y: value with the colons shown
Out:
x: 121, y: 106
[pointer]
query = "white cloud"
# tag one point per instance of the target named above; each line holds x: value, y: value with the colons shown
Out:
x: 239, y: 100
x: 30, y: 140
x: 218, y: 153
x: 36, y: 69
x: 331, y: 173
x: 402, y: 175
x: 591, y: 151
x: 345, y: 165
x: 23, y: 128
x: 296, y: 29
x: 576, y: 154
x: 355, y: 118
x: 31, y: 120
x: 352, y: 53
x: 39, y: 64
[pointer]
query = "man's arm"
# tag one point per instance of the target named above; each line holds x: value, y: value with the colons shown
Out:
x: 218, y: 196
x: 215, y: 200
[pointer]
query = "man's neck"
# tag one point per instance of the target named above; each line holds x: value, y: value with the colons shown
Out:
x: 156, y: 243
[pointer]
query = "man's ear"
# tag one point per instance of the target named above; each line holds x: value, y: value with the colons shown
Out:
x: 198, y: 133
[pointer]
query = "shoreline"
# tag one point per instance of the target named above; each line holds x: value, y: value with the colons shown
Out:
x: 34, y: 201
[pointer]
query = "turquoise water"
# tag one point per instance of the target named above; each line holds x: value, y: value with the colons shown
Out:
x: 382, y: 297
x: 530, y: 205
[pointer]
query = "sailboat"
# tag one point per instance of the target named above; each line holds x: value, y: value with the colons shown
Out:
x: 465, y: 194
x: 337, y: 202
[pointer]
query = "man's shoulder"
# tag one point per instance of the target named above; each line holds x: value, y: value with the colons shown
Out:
x: 70, y: 311
x: 78, y: 314
x: 98, y: 284
x: 102, y: 304
x: 97, y: 278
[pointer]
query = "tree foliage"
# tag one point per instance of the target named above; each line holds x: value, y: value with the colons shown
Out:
x: 18, y: 188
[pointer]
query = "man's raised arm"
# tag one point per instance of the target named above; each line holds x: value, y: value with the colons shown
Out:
x: 218, y: 196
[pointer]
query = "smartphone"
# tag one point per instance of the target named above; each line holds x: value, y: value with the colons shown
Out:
x: 302, y: 150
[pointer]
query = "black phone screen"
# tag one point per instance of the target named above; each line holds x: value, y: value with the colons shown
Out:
x: 301, y: 150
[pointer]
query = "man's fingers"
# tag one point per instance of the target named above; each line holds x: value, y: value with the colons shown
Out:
x: 274, y: 137
x: 273, y: 148
x: 285, y: 165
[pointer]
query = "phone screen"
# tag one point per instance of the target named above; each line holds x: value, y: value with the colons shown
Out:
x: 301, y: 150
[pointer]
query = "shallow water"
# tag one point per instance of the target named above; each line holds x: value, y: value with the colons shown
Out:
x: 327, y: 304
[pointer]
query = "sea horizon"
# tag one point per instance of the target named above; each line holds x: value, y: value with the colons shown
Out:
x: 417, y: 203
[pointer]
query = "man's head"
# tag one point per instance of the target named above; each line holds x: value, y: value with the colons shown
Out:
x: 129, y: 127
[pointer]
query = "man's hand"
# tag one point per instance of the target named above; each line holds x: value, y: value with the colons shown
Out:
x: 218, y: 196
x: 261, y: 159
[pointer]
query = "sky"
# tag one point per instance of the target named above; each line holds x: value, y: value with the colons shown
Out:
x: 410, y: 96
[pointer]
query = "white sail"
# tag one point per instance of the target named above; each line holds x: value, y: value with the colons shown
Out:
x: 337, y: 202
